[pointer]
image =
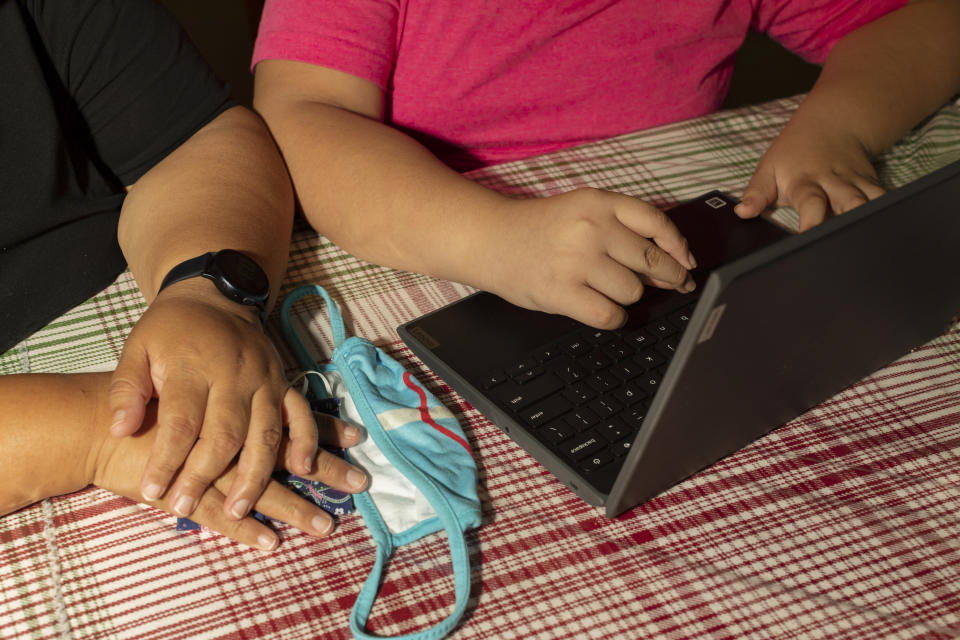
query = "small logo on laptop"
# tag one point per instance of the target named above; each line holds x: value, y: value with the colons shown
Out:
x: 425, y: 338
x: 716, y: 203
x: 713, y: 319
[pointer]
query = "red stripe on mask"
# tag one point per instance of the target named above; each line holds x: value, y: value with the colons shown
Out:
x: 425, y: 411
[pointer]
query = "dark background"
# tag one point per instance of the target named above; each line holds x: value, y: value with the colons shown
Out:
x: 224, y: 31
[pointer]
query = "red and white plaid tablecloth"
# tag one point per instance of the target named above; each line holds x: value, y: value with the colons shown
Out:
x: 841, y: 524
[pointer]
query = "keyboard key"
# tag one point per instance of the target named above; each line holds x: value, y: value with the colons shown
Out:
x: 596, y: 461
x: 649, y: 381
x: 640, y: 339
x: 528, y: 375
x: 630, y: 394
x: 594, y: 362
x: 635, y: 416
x: 518, y: 396
x: 681, y: 317
x: 548, y: 353
x: 586, y: 444
x: 598, y: 336
x: 604, y: 381
x: 626, y: 370
x: 621, y: 448
x: 545, y: 410
x: 613, y: 429
x: 520, y: 367
x: 579, y: 393
x: 617, y: 350
x: 650, y: 359
x: 668, y: 347
x: 661, y: 328
x: 493, y: 379
x: 554, y: 433
x: 582, y: 418
x: 605, y: 406
x: 576, y: 346
x: 568, y: 370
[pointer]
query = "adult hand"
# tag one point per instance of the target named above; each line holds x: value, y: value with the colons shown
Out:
x: 221, y: 387
x: 587, y: 254
x: 120, y: 460
x: 816, y: 171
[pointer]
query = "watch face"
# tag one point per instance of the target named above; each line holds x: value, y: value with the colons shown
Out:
x: 242, y: 273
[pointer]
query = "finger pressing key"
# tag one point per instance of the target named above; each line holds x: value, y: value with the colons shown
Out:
x: 650, y: 222
x: 645, y: 258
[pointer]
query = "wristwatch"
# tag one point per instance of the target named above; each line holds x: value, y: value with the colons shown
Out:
x: 237, y: 277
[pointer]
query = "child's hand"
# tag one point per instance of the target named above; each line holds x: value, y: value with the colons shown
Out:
x: 221, y: 386
x: 586, y: 254
x: 814, y: 170
x: 120, y: 461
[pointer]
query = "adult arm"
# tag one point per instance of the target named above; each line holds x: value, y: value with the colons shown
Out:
x: 54, y: 440
x: 382, y: 196
x: 877, y: 82
x: 219, y: 380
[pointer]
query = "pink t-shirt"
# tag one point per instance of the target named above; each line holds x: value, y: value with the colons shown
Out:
x: 484, y: 81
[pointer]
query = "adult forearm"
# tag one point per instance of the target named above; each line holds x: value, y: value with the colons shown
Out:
x: 225, y: 187
x: 881, y: 80
x: 51, y: 427
x: 382, y: 196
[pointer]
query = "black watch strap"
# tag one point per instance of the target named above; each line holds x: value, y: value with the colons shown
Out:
x: 187, y: 269
x: 236, y: 276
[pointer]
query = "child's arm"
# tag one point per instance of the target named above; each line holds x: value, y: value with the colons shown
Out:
x: 382, y: 196
x: 54, y: 439
x: 877, y: 83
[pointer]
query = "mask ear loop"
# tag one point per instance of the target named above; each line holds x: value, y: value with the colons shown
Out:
x: 305, y: 375
x: 292, y: 338
x: 460, y: 558
x: 456, y: 538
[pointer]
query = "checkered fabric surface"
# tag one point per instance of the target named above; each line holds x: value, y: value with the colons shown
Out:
x: 841, y: 524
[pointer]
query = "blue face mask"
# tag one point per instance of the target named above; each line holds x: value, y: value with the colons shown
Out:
x: 423, y: 478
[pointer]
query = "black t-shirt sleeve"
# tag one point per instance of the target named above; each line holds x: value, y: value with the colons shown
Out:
x: 138, y: 82
x: 93, y: 93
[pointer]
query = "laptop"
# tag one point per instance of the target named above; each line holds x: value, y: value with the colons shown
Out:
x: 779, y: 322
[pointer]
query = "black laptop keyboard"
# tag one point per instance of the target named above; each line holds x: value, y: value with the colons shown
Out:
x: 586, y: 395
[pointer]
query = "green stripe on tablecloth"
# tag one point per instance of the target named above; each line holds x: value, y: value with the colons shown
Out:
x: 88, y: 335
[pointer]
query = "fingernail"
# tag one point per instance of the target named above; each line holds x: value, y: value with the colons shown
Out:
x: 267, y: 542
x: 356, y: 479
x: 117, y: 419
x: 321, y: 525
x: 308, y: 464
x: 184, y: 506
x: 240, y: 508
x: 152, y: 491
x: 351, y: 433
x: 691, y: 260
